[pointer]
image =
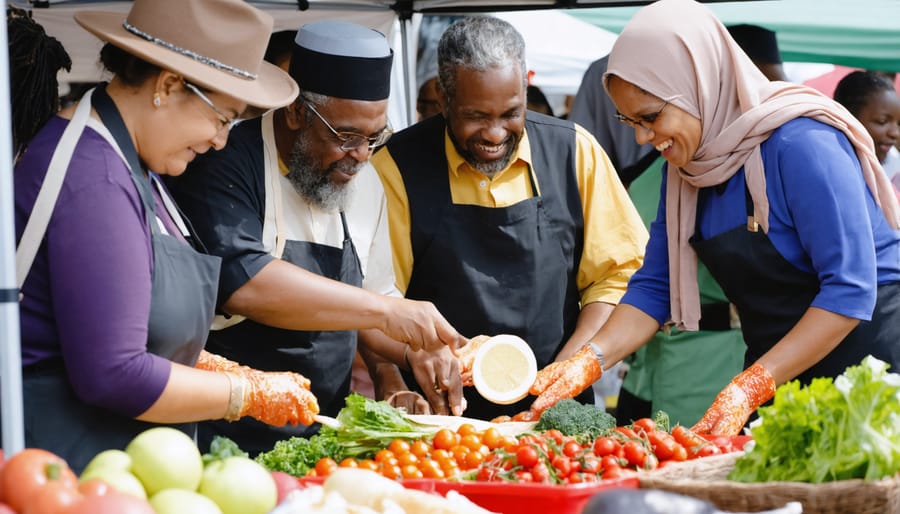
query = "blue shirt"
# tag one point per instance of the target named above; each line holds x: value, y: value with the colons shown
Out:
x: 822, y: 219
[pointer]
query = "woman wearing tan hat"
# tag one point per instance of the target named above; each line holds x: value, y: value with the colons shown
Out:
x: 117, y: 302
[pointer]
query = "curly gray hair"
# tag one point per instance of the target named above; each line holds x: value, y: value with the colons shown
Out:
x: 478, y: 43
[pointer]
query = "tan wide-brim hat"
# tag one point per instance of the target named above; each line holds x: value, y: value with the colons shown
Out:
x: 216, y: 44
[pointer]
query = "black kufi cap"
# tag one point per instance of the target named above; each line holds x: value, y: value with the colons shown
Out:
x: 342, y: 60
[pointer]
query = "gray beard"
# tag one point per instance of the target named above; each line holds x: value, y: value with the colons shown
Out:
x: 488, y: 168
x: 313, y: 183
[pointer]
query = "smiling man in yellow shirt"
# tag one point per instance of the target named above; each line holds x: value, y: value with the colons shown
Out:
x: 509, y: 222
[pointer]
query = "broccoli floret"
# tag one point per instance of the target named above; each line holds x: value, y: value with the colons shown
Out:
x: 576, y: 419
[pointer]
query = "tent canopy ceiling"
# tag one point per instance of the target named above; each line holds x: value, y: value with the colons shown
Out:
x: 861, y: 34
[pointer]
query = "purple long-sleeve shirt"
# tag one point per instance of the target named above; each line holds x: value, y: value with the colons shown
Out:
x: 87, y: 297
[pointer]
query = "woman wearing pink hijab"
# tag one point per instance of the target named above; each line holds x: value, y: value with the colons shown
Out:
x: 776, y: 188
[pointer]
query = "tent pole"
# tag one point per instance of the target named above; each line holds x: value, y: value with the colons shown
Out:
x: 10, y: 353
x: 407, y: 72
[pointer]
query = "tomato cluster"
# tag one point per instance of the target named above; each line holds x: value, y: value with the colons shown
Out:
x: 449, y: 453
x: 547, y: 458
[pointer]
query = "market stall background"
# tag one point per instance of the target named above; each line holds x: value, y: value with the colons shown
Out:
x: 864, y: 34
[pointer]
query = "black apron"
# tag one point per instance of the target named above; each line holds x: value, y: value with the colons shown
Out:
x: 324, y: 357
x: 504, y: 270
x: 771, y: 295
x: 183, y: 296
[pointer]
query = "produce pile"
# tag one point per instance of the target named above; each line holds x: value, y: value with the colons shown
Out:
x: 161, y: 471
x: 839, y: 429
x: 572, y: 443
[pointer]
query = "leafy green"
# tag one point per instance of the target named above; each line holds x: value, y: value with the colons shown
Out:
x: 298, y: 455
x: 221, y: 448
x: 368, y: 426
x: 837, y: 429
x: 576, y: 419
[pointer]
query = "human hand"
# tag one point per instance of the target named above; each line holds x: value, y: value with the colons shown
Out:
x: 410, y: 401
x: 734, y: 404
x: 563, y: 379
x: 420, y: 325
x: 212, y: 362
x: 438, y: 374
x: 278, y: 398
x: 466, y: 356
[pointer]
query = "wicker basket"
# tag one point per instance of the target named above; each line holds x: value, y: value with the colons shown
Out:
x: 706, y: 479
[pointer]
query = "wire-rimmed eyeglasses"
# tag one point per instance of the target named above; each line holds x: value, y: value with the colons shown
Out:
x: 352, y: 140
x: 223, y: 119
x: 645, y: 119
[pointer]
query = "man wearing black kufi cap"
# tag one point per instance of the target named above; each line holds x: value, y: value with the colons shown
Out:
x: 294, y: 190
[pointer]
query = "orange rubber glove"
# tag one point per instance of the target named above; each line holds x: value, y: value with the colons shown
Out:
x: 278, y: 398
x: 466, y: 356
x: 565, y: 379
x: 734, y: 404
x: 212, y: 362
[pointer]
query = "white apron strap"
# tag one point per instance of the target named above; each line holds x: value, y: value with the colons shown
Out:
x: 272, y: 177
x: 37, y: 223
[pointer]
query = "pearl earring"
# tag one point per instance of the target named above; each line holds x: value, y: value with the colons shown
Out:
x: 156, y: 101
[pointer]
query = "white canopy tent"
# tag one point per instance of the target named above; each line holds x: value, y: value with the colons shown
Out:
x: 395, y: 19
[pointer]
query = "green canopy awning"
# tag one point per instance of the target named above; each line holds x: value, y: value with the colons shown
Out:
x: 855, y: 33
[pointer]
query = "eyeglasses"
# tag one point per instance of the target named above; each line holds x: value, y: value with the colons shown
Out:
x: 352, y: 140
x: 223, y: 119
x: 645, y: 119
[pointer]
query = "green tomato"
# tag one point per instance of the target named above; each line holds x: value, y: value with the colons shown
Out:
x: 119, y: 479
x: 165, y: 458
x: 180, y: 501
x: 239, y: 485
x: 112, y: 459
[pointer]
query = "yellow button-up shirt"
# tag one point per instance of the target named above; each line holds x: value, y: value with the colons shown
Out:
x: 614, y: 235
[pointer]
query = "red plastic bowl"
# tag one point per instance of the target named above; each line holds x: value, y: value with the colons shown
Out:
x: 517, y: 498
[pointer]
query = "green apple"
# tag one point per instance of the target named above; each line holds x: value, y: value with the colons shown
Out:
x: 114, y: 459
x: 181, y: 501
x: 239, y: 485
x: 164, y: 458
x: 121, y: 480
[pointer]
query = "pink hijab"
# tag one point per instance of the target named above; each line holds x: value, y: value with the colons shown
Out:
x: 679, y: 51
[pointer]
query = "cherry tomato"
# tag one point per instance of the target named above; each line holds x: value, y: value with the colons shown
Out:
x: 687, y: 438
x: 466, y: 429
x: 399, y: 446
x: 420, y: 448
x: 605, y: 446
x: 474, y: 459
x: 523, y: 476
x: 527, y: 456
x: 645, y: 425
x: 541, y: 473
x: 627, y: 432
x: 679, y: 453
x: 554, y: 435
x: 485, y: 474
x: 635, y: 453
x: 492, y: 438
x: 610, y: 461
x: 590, y: 465
x: 325, y: 466
x: 611, y: 472
x: 349, y: 462
x: 444, y: 439
x: 707, y: 450
x: 662, y: 443
x: 563, y: 466
x: 571, y: 449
